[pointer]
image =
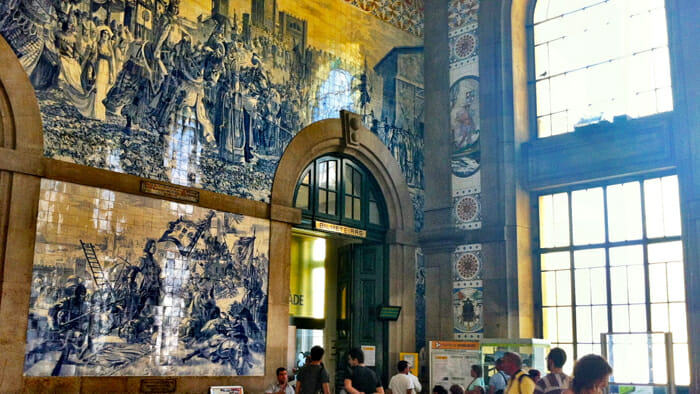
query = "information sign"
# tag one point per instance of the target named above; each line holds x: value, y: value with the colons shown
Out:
x: 412, y: 360
x: 370, y: 355
x: 450, y: 362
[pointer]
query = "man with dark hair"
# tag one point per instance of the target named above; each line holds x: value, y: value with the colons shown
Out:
x: 401, y: 383
x: 498, y: 381
x: 282, y: 386
x: 520, y: 382
x: 361, y: 379
x: 313, y: 377
x: 555, y: 382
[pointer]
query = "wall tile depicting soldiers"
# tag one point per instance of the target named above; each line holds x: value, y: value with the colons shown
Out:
x: 134, y: 86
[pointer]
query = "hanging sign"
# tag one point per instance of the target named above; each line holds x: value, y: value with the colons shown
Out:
x: 336, y: 228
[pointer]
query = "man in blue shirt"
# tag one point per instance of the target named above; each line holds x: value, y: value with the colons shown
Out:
x: 498, y: 382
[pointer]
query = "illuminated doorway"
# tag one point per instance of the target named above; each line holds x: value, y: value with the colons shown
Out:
x: 338, y: 277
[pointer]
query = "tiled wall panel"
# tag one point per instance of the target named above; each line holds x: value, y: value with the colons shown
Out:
x: 186, y: 91
x: 466, y: 163
x: 467, y: 292
x: 128, y: 285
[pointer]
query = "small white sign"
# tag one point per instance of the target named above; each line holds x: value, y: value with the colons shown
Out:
x: 226, y: 389
x: 370, y: 355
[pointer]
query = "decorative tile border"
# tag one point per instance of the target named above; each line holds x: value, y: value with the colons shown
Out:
x: 462, y: 12
x: 407, y: 15
x: 420, y: 299
x: 465, y: 192
x: 467, y: 292
x: 467, y: 211
x: 467, y: 308
x: 467, y: 267
x: 467, y: 260
x: 469, y: 337
x: 464, y: 46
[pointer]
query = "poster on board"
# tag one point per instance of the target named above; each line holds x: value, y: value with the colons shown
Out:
x: 412, y: 360
x: 370, y: 355
x: 451, y: 361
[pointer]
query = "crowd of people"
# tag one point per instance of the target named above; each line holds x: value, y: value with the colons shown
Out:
x: 590, y: 376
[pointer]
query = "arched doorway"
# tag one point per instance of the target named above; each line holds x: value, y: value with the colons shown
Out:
x: 391, y: 244
x: 338, y: 267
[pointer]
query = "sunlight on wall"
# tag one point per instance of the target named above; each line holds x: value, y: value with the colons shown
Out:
x: 318, y: 277
x: 319, y: 250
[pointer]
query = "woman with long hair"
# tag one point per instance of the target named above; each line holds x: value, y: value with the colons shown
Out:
x: 591, y: 374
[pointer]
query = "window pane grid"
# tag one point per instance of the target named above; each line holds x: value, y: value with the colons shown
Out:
x: 613, y: 54
x: 353, y: 193
x: 546, y: 10
x: 339, y: 190
x: 657, y: 55
x: 304, y: 191
x: 623, y: 280
x: 327, y: 186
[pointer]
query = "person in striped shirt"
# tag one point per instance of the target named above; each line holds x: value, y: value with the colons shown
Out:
x: 555, y: 382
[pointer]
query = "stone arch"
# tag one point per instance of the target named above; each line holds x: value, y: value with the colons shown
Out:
x: 348, y: 136
x: 20, y: 125
x: 21, y: 152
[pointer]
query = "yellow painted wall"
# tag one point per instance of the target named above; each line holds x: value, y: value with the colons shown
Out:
x: 307, y: 291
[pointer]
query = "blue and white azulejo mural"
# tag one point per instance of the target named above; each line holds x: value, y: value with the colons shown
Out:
x: 127, y: 285
x: 184, y: 91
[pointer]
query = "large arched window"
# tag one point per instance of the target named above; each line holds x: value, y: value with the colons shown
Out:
x: 339, y: 190
x: 595, y: 60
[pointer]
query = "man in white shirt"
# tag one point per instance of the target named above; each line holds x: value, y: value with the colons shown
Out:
x: 416, y: 383
x: 401, y: 383
x: 282, y: 386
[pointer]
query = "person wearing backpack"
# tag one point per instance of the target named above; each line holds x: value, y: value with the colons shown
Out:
x: 520, y: 382
x: 498, y: 382
x: 556, y: 381
x: 313, y: 377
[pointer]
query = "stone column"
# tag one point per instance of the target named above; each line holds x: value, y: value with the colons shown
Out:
x: 437, y: 238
